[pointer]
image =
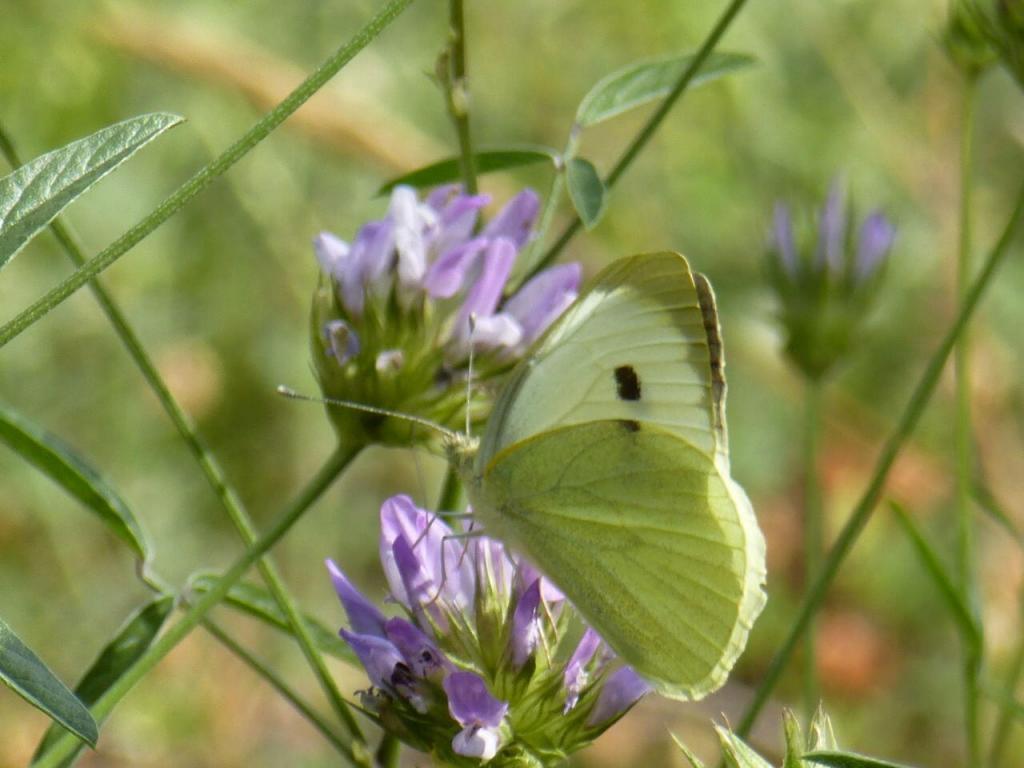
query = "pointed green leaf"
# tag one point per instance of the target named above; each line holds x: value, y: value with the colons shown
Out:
x: 644, y: 81
x: 487, y: 161
x: 131, y: 641
x: 30, y: 678
x: 836, y: 759
x: 695, y: 762
x: 36, y: 192
x: 736, y: 753
x: 990, y: 504
x: 820, y: 735
x: 68, y: 470
x: 958, y: 609
x: 586, y: 190
x: 260, y: 604
x: 795, y: 745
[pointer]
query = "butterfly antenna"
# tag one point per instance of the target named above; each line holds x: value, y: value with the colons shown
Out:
x: 293, y: 395
x: 469, y: 372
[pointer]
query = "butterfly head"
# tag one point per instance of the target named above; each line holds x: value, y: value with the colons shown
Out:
x: 461, y: 450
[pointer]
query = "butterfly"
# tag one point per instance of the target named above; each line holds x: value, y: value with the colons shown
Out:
x: 605, y: 462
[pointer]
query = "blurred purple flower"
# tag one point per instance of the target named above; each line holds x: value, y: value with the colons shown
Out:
x: 782, y: 230
x: 622, y: 690
x: 873, y: 244
x: 832, y: 236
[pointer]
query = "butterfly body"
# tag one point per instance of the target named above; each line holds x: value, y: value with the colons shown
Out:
x: 605, y: 463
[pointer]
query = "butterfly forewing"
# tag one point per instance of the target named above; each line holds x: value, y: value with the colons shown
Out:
x: 634, y: 347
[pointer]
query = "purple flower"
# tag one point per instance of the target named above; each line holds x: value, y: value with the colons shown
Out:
x: 622, y: 690
x: 832, y: 238
x: 466, y: 661
x: 782, y: 229
x: 341, y: 340
x: 876, y: 237
x: 363, y: 616
x: 478, y: 712
x: 541, y: 300
x: 515, y: 220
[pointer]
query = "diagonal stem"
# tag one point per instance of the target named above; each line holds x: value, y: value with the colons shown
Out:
x: 862, y: 512
x: 206, y: 175
x: 215, y: 476
x: 457, y: 92
x: 65, y: 746
x: 649, y: 128
x: 963, y: 438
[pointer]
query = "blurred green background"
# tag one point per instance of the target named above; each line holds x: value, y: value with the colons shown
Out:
x: 220, y: 293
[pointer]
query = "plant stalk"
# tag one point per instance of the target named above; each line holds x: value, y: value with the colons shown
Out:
x: 206, y: 175
x: 457, y: 93
x: 922, y: 393
x: 65, y: 746
x: 814, y: 536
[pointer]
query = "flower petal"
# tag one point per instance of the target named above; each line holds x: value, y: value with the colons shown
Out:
x: 543, y: 298
x: 414, y: 224
x: 621, y: 691
x: 342, y: 341
x: 378, y: 656
x: 873, y: 244
x: 525, y: 625
x: 469, y: 701
x: 474, y: 741
x: 485, y: 294
x: 782, y: 231
x: 331, y: 253
x: 421, y: 654
x: 832, y: 237
x: 363, y: 616
x: 515, y: 220
x: 448, y: 275
x: 576, y: 675
x: 499, y: 331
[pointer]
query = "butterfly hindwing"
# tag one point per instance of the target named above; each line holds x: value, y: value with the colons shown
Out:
x: 643, y: 536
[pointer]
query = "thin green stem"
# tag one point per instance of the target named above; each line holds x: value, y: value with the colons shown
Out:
x: 451, y: 491
x: 389, y: 752
x: 457, y: 92
x: 215, y: 476
x: 340, y: 459
x: 207, y: 174
x: 814, y: 537
x: 279, y: 685
x: 862, y: 512
x: 1004, y: 724
x: 963, y: 439
x: 653, y: 123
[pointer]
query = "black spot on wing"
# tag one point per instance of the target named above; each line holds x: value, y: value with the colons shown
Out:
x: 627, y: 383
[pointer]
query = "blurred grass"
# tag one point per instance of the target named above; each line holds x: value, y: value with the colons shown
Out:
x: 219, y: 295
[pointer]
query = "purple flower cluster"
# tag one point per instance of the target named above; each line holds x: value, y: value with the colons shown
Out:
x: 825, y: 278
x: 431, y: 249
x: 483, y: 661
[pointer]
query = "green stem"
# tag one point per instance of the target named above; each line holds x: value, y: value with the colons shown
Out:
x: 1006, y: 714
x: 282, y: 688
x: 451, y: 491
x: 970, y: 656
x: 457, y: 93
x: 215, y: 476
x: 814, y: 539
x: 653, y: 123
x: 389, y: 752
x: 207, y: 174
x: 65, y: 746
x: 862, y: 512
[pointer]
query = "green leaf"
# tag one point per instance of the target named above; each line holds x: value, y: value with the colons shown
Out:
x: 487, y: 161
x: 695, y: 762
x: 36, y: 192
x: 990, y: 504
x: 120, y: 654
x: 644, y: 81
x: 965, y: 620
x: 736, y: 753
x: 795, y: 744
x: 586, y: 190
x: 65, y: 468
x: 30, y: 678
x: 838, y: 759
x: 259, y: 603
